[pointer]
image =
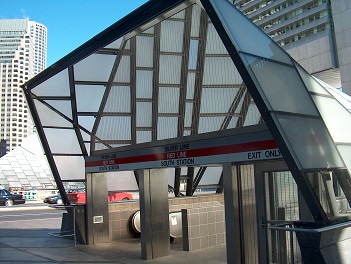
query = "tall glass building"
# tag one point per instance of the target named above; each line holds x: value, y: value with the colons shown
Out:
x: 23, y: 45
x: 316, y: 33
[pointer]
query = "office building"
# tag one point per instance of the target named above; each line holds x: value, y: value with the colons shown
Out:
x: 316, y: 33
x: 22, y: 55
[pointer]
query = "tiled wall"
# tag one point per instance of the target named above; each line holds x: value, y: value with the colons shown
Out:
x: 203, y: 227
x: 120, y: 214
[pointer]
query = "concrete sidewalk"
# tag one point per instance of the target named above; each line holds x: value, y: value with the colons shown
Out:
x: 37, y: 246
x: 29, y: 242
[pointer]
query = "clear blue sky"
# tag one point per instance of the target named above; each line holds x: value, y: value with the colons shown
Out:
x: 70, y: 23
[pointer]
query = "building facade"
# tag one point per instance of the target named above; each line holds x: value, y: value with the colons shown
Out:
x: 23, y: 45
x: 316, y: 33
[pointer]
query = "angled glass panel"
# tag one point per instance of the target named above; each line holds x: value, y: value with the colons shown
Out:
x: 247, y: 35
x: 114, y: 128
x: 253, y: 116
x: 170, y: 69
x: 214, y: 44
x: 311, y: 84
x: 63, y: 141
x: 193, y: 53
x: 62, y: 106
x: 209, y: 124
x: 143, y: 136
x: 88, y: 97
x: 167, y: 127
x: 70, y: 167
x: 57, y: 85
x: 195, y: 21
x: 168, y: 100
x: 190, y: 87
x: 283, y: 90
x: 188, y: 114
x: 123, y: 71
x: 334, y: 116
x: 144, y: 51
x: 96, y: 67
x: 144, y: 114
x: 345, y: 151
x: 50, y: 118
x: 171, y: 36
x: 87, y: 122
x: 144, y: 81
x: 118, y: 100
x: 220, y: 70
x: 310, y: 141
x: 217, y: 100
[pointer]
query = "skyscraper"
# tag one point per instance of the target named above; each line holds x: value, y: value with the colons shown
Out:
x: 22, y: 55
x: 316, y: 33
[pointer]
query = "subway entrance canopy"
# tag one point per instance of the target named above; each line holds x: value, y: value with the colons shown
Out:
x: 174, y: 69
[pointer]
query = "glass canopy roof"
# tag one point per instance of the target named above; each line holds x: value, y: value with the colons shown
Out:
x: 177, y: 68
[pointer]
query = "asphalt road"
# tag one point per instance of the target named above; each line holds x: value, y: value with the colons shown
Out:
x: 30, y: 216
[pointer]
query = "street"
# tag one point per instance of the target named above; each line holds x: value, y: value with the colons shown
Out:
x: 30, y: 216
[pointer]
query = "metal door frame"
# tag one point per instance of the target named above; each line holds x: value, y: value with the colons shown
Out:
x: 260, y: 169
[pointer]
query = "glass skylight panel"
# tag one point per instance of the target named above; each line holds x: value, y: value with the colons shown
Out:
x: 49, y: 117
x: 284, y: 89
x: 220, y: 70
x: 66, y: 143
x: 65, y: 164
x: 115, y: 44
x: 190, y: 85
x: 310, y: 141
x: 172, y: 36
x: 143, y: 136
x: 144, y: 51
x: 195, y: 21
x: 63, y: 106
x: 242, y: 32
x: 114, y: 128
x: 193, y: 54
x: 217, y: 100
x: 167, y: 127
x: 87, y: 122
x: 123, y: 71
x: 210, y: 124
x: 94, y: 68
x: 58, y: 85
x: 188, y: 114
x: 253, y: 116
x: 144, y: 114
x: 214, y: 44
x: 168, y: 100
x: 334, y: 116
x: 88, y: 97
x: 170, y: 69
x: 233, y: 122
x: 118, y: 100
x: 144, y: 84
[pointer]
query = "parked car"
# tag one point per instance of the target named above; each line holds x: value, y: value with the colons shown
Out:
x: 53, y: 199
x: 79, y: 197
x: 9, y: 199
